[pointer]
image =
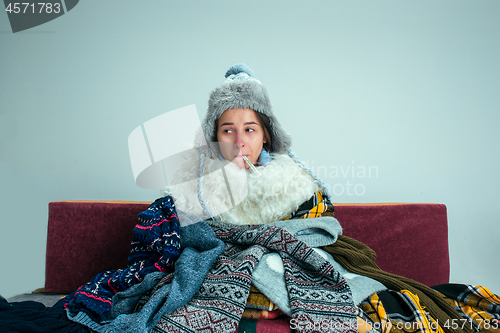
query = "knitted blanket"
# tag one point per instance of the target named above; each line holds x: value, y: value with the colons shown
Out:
x: 318, y: 294
x: 155, y: 247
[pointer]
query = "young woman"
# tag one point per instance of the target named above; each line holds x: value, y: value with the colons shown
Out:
x: 240, y: 124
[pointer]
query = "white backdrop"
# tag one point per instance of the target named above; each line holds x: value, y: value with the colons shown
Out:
x: 408, y: 90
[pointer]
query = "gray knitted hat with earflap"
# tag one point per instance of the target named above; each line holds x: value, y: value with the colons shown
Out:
x: 241, y: 90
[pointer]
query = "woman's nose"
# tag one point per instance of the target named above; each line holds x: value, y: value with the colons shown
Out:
x: 239, y: 140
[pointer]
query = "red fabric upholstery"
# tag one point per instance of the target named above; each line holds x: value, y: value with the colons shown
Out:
x: 410, y: 240
x: 85, y: 238
x: 88, y: 237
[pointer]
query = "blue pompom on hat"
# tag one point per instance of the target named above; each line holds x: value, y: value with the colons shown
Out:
x: 239, y: 68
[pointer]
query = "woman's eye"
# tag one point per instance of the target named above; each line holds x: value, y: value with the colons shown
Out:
x: 228, y: 131
x: 250, y: 130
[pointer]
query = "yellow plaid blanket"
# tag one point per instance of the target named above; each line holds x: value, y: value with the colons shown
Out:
x: 393, y: 311
x: 317, y: 206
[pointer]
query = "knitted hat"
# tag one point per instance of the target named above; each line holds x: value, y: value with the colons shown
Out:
x: 241, y: 90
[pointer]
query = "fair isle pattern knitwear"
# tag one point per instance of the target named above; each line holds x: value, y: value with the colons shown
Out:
x: 155, y: 247
x: 319, y: 295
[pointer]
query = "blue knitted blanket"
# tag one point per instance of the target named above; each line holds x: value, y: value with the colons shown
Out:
x: 155, y: 247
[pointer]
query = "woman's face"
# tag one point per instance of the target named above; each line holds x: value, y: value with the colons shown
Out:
x: 240, y: 133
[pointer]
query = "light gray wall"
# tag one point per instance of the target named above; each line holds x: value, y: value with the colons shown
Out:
x: 409, y: 88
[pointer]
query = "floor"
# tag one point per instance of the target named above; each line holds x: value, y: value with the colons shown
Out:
x: 46, y: 299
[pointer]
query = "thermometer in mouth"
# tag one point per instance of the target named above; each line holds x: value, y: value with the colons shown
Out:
x: 252, y: 167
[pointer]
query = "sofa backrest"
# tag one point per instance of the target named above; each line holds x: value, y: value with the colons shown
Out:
x: 410, y: 240
x: 88, y: 237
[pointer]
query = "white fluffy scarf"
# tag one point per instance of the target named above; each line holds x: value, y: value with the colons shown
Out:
x: 279, y: 191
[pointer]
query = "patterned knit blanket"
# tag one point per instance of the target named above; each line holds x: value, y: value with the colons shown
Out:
x: 155, y: 247
x: 320, y: 298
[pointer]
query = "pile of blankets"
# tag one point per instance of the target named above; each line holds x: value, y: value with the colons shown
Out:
x: 213, y: 275
x: 198, y: 278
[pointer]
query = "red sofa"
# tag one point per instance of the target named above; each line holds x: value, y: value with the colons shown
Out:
x: 88, y: 237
